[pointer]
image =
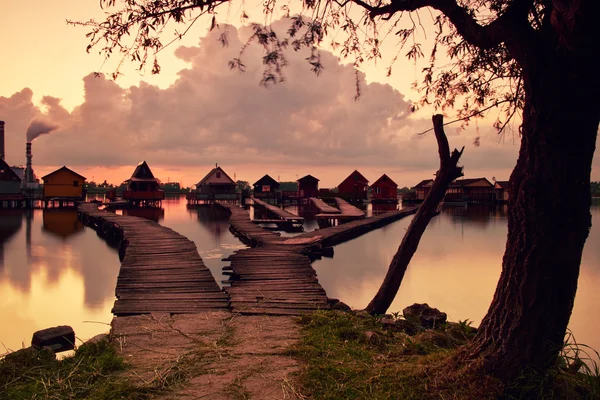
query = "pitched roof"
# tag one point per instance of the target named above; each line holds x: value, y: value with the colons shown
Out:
x: 384, y: 178
x: 357, y: 177
x: 502, y: 184
x: 143, y: 173
x: 65, y: 169
x: 423, y: 183
x: 267, y: 180
x: 8, y: 169
x: 469, y: 181
x: 307, y: 178
x: 214, y: 171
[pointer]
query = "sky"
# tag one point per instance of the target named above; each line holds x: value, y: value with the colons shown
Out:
x: 197, y: 112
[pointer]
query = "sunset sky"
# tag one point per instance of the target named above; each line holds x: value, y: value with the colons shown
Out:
x: 198, y: 112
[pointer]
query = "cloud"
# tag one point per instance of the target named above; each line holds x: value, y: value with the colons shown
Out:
x: 213, y: 114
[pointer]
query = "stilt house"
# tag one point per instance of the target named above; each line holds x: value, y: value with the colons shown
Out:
x: 384, y: 190
x: 501, y: 188
x: 64, y: 184
x: 10, y: 184
x: 473, y: 190
x: 266, y: 187
x: 354, y: 187
x: 216, y: 185
x: 308, y: 186
x: 422, y: 188
x: 143, y: 186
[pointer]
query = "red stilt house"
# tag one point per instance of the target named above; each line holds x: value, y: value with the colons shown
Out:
x: 143, y: 186
x: 384, y: 190
x: 308, y: 186
x: 354, y: 187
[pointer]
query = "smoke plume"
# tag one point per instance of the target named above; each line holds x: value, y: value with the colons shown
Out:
x: 39, y: 127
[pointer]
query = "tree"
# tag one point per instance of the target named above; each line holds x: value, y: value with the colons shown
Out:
x: 533, y: 57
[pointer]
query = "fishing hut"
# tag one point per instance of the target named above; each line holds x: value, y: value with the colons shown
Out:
x: 215, y: 186
x: 267, y: 189
x: 384, y: 190
x: 10, y: 187
x: 143, y: 188
x: 308, y: 186
x: 63, y: 188
x: 354, y: 188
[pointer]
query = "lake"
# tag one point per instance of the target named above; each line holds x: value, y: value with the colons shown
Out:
x: 55, y: 271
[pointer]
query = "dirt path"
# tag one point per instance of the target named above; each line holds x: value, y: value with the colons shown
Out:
x: 219, y: 355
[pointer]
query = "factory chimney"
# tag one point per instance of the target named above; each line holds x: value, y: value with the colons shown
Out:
x: 28, y: 168
x: 2, y: 154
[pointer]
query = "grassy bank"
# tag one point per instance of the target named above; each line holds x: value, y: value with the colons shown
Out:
x: 356, y: 357
x: 94, y: 372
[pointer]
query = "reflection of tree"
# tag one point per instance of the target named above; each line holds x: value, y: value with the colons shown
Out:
x: 60, y: 222
x: 10, y: 224
x: 152, y: 213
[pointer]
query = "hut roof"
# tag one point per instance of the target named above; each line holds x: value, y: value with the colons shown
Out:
x: 423, y: 183
x: 9, y: 171
x: 357, y: 177
x: 502, y: 185
x: 384, y: 179
x: 469, y: 181
x: 267, y: 180
x: 63, y: 168
x: 308, y: 178
x: 142, y: 173
x: 212, y: 172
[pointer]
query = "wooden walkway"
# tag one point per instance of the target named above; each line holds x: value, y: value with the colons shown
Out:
x: 278, y: 211
x: 323, y: 207
x: 346, y: 211
x: 276, y: 277
x: 161, y: 270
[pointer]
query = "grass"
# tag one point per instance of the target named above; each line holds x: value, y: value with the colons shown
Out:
x: 347, y: 356
x: 92, y: 373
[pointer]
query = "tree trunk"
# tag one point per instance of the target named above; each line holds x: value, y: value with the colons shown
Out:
x: 548, y: 217
x: 448, y: 172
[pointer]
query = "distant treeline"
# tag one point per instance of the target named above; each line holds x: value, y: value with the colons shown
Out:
x: 169, y: 187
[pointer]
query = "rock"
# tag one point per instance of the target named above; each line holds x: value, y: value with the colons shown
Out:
x: 407, y: 326
x: 424, y: 315
x: 97, y: 338
x: 59, y: 338
x: 341, y: 306
x: 387, y: 320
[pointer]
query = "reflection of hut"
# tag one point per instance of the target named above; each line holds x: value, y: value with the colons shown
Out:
x: 64, y: 184
x: 308, y: 186
x: 384, y: 190
x: 266, y: 187
x: 216, y: 185
x: 61, y: 223
x: 473, y: 190
x: 10, y: 224
x: 10, y: 186
x: 151, y: 213
x: 501, y: 188
x: 422, y: 188
x: 354, y: 187
x: 143, y: 187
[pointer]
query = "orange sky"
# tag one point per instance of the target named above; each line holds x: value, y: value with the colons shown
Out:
x: 42, y: 53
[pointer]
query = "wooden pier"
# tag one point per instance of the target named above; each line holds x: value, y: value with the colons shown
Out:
x: 284, y: 221
x: 323, y: 207
x: 275, y: 276
x: 280, y: 213
x: 346, y: 211
x: 161, y: 270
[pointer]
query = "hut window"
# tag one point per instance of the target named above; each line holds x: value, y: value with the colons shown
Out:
x: 75, y: 183
x: 377, y: 190
x: 218, y: 174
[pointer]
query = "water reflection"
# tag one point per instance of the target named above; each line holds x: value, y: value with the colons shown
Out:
x: 456, y: 267
x: 10, y: 224
x: 155, y: 214
x: 61, y: 222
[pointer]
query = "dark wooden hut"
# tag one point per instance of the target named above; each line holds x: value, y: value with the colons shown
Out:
x: 501, y: 188
x: 422, y: 188
x: 266, y: 187
x: 354, y: 187
x: 216, y: 185
x: 308, y: 186
x: 472, y: 190
x: 143, y: 186
x: 10, y: 185
x: 384, y: 190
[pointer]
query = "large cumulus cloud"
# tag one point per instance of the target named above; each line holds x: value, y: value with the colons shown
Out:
x: 213, y: 114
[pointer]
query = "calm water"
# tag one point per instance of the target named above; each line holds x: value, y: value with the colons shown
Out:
x: 54, y: 271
